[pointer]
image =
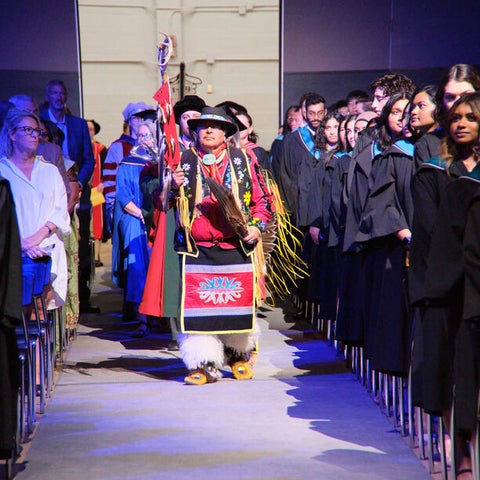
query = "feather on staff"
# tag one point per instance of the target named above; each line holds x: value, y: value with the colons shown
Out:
x: 229, y: 207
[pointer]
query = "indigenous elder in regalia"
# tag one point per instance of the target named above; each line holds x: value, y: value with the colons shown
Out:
x: 218, y: 279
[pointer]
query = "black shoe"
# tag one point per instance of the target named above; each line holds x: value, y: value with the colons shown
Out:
x: 89, y: 308
x: 98, y: 263
x: 141, y: 331
x: 173, y: 346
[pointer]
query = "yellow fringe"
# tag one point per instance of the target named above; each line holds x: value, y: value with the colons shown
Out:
x: 285, y: 263
x: 184, y: 218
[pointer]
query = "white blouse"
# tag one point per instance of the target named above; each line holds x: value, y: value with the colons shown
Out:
x: 42, y: 199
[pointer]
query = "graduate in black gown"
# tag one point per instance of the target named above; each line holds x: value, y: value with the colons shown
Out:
x: 471, y: 309
x: 351, y: 315
x: 298, y: 181
x: 346, y: 328
x: 459, y: 79
x: 302, y: 175
x: 444, y: 279
x: 384, y: 230
x: 10, y: 317
x: 323, y: 266
x: 429, y: 183
x: 293, y: 119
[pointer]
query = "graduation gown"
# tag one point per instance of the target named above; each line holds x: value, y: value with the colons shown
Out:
x: 388, y: 209
x: 323, y: 263
x: 450, y: 362
x: 276, y: 151
x: 428, y: 146
x: 10, y: 316
x: 130, y: 251
x: 471, y: 309
x: 335, y: 175
x: 301, y: 177
x: 351, y: 303
x: 428, y: 187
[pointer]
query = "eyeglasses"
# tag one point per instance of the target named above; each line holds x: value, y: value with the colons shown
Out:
x: 144, y: 136
x: 30, y: 130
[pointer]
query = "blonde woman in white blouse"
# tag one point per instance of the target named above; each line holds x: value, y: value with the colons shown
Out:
x: 39, y: 195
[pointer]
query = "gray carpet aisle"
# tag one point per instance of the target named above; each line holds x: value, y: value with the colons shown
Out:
x: 120, y: 410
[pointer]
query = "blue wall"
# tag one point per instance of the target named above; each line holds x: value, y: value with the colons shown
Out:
x: 39, y: 43
x: 334, y: 47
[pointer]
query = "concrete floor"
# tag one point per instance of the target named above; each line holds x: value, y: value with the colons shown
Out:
x: 120, y: 410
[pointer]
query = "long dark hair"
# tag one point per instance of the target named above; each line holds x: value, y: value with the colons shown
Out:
x: 383, y: 135
x: 431, y: 92
x: 321, y: 140
x: 350, y: 118
x: 449, y: 149
x: 286, y: 126
x: 253, y: 136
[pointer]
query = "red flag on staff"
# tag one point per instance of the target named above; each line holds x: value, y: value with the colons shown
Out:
x: 172, y: 151
x: 155, y: 302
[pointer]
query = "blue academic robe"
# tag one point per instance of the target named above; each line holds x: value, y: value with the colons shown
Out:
x: 130, y: 251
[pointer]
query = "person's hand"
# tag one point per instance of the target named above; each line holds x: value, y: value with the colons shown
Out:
x: 100, y: 187
x: 252, y: 236
x: 178, y: 177
x: 30, y: 246
x: 74, y: 198
x: 35, y: 252
x: 315, y: 234
x: 404, y: 235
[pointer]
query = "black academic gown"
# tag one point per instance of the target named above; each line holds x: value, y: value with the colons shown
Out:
x: 451, y: 363
x: 263, y: 158
x: 276, y: 152
x: 389, y: 209
x: 471, y: 309
x: 10, y: 316
x: 428, y: 146
x: 429, y: 184
x: 300, y: 181
x: 326, y: 281
x: 337, y: 215
x: 351, y: 313
x: 337, y: 210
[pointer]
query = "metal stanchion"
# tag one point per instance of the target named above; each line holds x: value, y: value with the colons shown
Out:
x: 362, y: 365
x: 411, y: 410
x: 475, y: 448
x: 421, y: 433
x: 387, y: 394
x: 357, y: 363
x: 401, y: 389
x: 369, y: 374
x: 441, y: 447
x: 431, y: 462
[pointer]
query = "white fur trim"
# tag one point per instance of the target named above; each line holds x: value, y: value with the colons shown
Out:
x: 241, y: 342
x: 198, y: 349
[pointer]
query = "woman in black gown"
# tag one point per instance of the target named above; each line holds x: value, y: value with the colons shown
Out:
x: 448, y: 360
